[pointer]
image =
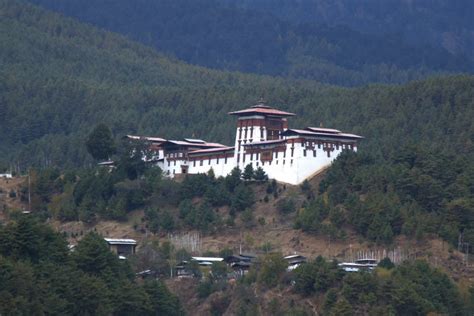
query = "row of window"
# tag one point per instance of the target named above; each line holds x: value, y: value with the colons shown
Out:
x: 201, y: 162
x: 251, y: 132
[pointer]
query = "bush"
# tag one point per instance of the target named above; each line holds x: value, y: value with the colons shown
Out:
x: 286, y: 206
x: 272, y: 268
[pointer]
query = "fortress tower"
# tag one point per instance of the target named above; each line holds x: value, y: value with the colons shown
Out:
x: 259, y: 123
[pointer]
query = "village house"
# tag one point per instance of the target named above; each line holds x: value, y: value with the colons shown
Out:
x: 294, y: 261
x: 122, y: 247
x: 263, y: 139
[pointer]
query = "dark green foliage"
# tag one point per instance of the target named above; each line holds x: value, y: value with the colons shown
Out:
x: 386, y: 263
x: 316, y: 276
x: 258, y: 41
x: 163, y: 302
x: 204, y: 289
x: 411, y: 289
x: 40, y: 276
x: 249, y: 173
x: 243, y: 198
x: 92, y: 256
x: 412, y: 192
x: 78, y: 77
x: 100, y: 143
x: 271, y: 270
x: 286, y: 206
x: 260, y: 175
x: 233, y: 179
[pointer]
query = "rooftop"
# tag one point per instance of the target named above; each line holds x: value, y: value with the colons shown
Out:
x: 151, y: 139
x: 207, y: 259
x: 261, y: 108
x: 202, y: 144
x: 118, y: 241
x: 266, y: 142
x: 211, y: 150
x: 292, y: 131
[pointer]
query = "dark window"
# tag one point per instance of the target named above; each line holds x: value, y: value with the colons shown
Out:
x: 304, y: 152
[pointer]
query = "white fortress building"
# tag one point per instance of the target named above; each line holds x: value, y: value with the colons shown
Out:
x: 262, y: 139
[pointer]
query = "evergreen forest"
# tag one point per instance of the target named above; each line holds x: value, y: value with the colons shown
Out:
x: 311, y: 39
x: 77, y: 76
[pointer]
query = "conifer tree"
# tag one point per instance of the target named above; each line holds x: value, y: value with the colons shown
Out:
x: 100, y: 143
x: 260, y: 175
x: 248, y: 173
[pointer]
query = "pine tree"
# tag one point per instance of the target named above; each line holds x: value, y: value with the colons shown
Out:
x: 260, y: 175
x: 100, y: 143
x: 248, y: 173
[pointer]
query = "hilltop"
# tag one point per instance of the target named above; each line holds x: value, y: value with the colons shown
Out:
x: 307, y: 40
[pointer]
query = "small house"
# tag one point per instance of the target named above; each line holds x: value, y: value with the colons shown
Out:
x: 364, y: 264
x: 122, y: 247
x: 294, y: 261
x: 206, y: 261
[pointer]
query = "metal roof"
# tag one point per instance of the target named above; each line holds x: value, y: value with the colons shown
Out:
x: 118, y: 241
x: 208, y: 259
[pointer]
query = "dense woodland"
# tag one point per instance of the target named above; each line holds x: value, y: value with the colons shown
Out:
x: 60, y: 79
x: 251, y: 38
x: 440, y: 23
x: 40, y: 276
x: 73, y: 77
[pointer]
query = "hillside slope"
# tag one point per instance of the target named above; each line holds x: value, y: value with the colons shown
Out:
x: 72, y: 76
x: 441, y: 23
x: 211, y: 34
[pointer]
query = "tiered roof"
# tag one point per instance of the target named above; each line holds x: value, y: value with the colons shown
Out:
x: 320, y: 132
x: 262, y: 109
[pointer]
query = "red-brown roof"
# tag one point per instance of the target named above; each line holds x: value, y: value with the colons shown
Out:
x: 324, y: 130
x: 262, y: 109
x: 293, y: 131
x: 266, y: 142
x: 211, y: 150
x: 151, y: 139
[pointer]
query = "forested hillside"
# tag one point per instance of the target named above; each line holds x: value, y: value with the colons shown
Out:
x: 41, y: 276
x: 440, y: 23
x: 410, y: 185
x: 253, y: 39
x: 72, y: 76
